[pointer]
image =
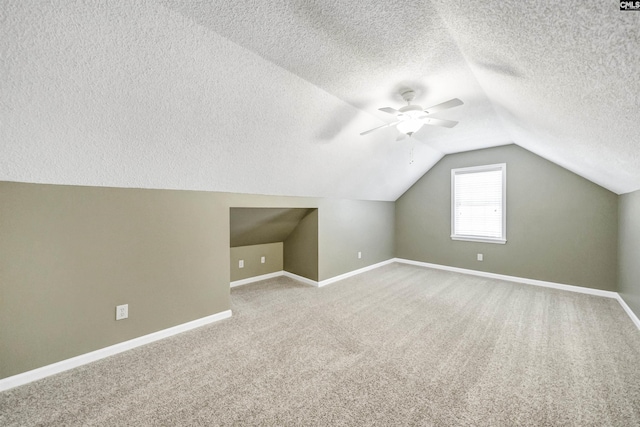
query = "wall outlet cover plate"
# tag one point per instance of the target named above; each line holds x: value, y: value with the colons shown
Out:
x: 122, y: 311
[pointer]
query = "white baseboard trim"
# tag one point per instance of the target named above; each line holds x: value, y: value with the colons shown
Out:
x: 271, y: 276
x: 570, y: 288
x: 83, y: 359
x: 256, y: 278
x: 307, y: 281
x: 629, y: 312
x: 300, y: 278
x: 337, y: 278
x: 354, y: 272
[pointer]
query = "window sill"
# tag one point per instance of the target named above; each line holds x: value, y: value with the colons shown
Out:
x: 479, y: 239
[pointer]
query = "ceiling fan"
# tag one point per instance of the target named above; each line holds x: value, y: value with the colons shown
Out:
x: 411, y: 118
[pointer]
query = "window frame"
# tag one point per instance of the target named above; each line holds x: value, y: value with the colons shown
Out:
x: 474, y: 169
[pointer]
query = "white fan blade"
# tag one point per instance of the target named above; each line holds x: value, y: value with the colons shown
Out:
x: 401, y: 137
x: 379, y: 127
x: 438, y: 122
x: 445, y: 105
x: 389, y: 110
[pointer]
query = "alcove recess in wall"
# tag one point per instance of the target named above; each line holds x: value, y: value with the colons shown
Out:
x: 286, y: 237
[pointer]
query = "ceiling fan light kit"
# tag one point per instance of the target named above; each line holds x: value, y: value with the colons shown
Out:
x: 410, y: 122
x: 412, y: 117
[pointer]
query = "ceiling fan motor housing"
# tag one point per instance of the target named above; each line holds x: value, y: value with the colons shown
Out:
x: 408, y: 108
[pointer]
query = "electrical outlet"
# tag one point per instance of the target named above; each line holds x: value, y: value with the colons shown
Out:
x: 241, y: 263
x: 480, y: 257
x: 263, y: 260
x: 122, y: 311
x: 359, y: 255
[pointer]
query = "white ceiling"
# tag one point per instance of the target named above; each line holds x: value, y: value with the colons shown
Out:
x: 269, y: 97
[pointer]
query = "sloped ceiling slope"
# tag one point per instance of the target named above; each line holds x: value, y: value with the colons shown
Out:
x: 564, y: 78
x: 269, y: 97
x: 257, y: 226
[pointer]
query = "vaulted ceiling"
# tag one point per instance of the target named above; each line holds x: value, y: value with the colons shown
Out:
x: 269, y: 97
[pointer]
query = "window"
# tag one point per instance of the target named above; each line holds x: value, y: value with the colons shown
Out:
x: 478, y: 203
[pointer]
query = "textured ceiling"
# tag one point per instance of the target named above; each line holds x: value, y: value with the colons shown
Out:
x: 269, y: 97
x: 564, y: 78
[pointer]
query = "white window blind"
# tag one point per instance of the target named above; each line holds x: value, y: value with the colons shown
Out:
x: 478, y: 203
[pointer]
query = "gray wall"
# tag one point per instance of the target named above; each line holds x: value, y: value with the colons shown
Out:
x: 69, y: 255
x: 251, y: 255
x: 560, y: 227
x: 301, y: 248
x: 629, y: 250
x: 349, y: 226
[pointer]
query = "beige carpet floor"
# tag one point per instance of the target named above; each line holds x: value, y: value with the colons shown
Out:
x: 399, y: 345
